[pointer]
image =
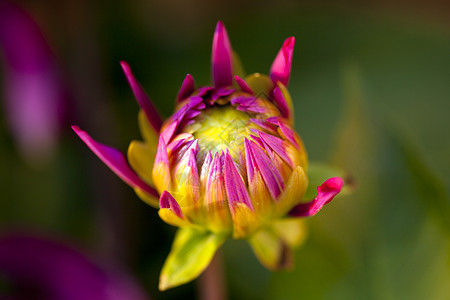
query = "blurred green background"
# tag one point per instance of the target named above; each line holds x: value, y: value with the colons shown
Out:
x: 371, y: 90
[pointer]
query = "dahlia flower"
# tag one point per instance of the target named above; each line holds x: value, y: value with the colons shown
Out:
x: 35, y: 268
x: 33, y: 91
x: 227, y: 163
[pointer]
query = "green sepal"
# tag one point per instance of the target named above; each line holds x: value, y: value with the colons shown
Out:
x: 271, y: 250
x: 319, y: 172
x: 192, y: 251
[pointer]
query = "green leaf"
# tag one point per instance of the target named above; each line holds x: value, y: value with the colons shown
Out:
x: 192, y: 251
x: 319, y: 172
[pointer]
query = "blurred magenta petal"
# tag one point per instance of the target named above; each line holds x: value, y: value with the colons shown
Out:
x: 221, y: 58
x: 143, y: 100
x: 32, y: 86
x: 325, y: 193
x: 116, y: 161
x: 43, y: 269
x: 187, y: 88
x: 281, y: 67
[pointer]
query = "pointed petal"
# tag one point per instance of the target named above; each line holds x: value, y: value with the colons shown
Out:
x: 218, y: 214
x: 288, y: 134
x: 243, y: 85
x: 293, y: 192
x: 236, y: 191
x: 281, y: 103
x: 281, y: 67
x: 276, y: 144
x: 141, y: 157
x: 186, y: 177
x: 167, y: 201
x: 116, y: 161
x: 221, y: 60
x: 258, y: 190
x: 270, y: 174
x: 288, y: 99
x: 161, y: 172
x: 169, y: 131
x: 187, y: 88
x: 326, y: 192
x: 142, y: 98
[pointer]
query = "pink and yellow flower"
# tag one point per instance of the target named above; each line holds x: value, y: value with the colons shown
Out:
x: 227, y: 163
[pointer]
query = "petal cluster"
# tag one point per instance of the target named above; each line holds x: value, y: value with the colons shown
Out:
x: 228, y: 163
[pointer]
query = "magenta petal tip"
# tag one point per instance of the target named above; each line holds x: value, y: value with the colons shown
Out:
x: 116, y: 161
x: 187, y: 88
x: 168, y: 201
x: 221, y: 58
x: 281, y: 67
x: 143, y: 100
x: 326, y: 192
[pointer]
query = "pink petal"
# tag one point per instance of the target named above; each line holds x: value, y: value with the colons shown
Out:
x: 167, y: 201
x: 288, y: 134
x: 142, y: 98
x: 281, y: 67
x: 221, y: 60
x: 264, y: 125
x: 116, y: 161
x: 187, y: 88
x: 269, y: 172
x: 276, y: 144
x: 326, y: 192
x: 243, y: 85
x: 161, y: 152
x: 236, y: 190
x: 281, y: 103
x: 169, y: 131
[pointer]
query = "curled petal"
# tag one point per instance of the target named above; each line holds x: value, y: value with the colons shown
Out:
x: 170, y: 211
x: 221, y: 60
x: 326, y: 192
x: 281, y: 67
x: 187, y: 88
x: 116, y: 161
x: 142, y: 98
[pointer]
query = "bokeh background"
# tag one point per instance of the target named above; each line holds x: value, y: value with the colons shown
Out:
x: 371, y: 90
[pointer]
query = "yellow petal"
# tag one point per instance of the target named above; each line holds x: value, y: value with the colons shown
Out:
x: 148, y: 133
x: 141, y: 157
x: 168, y: 216
x: 260, y: 84
x: 147, y: 198
x: 245, y: 221
x: 293, y: 192
x: 293, y: 231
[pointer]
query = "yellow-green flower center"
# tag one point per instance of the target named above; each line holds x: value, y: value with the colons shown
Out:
x: 220, y: 128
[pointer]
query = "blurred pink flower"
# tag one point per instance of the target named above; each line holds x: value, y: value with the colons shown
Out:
x: 38, y: 268
x: 33, y: 91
